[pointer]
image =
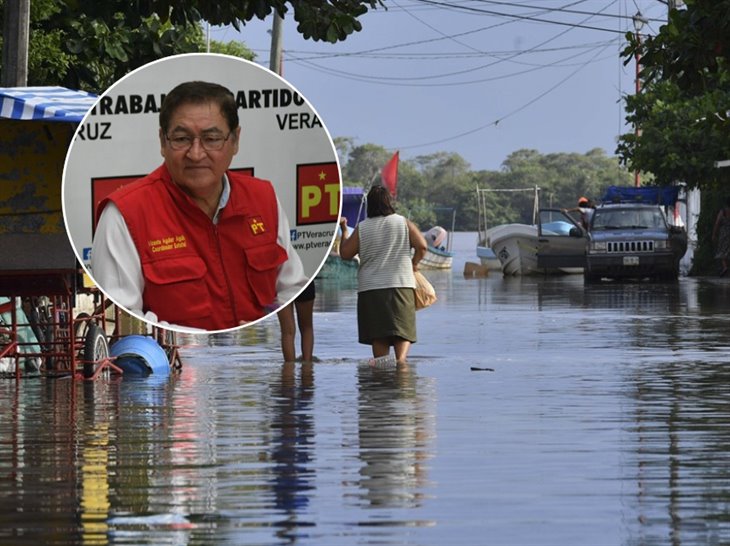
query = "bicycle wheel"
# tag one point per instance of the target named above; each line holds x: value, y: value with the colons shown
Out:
x: 96, y: 349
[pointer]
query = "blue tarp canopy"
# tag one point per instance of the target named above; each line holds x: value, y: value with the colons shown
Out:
x: 662, y: 196
x: 352, y: 206
x: 45, y: 103
x: 352, y: 194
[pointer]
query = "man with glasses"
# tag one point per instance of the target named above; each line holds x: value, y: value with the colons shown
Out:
x: 193, y: 244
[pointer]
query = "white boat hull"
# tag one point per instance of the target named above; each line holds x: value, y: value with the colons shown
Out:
x: 436, y: 259
x: 487, y: 257
x: 515, y: 245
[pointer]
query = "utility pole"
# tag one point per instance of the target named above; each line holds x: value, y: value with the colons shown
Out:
x: 639, y: 22
x: 673, y: 4
x: 276, y: 39
x: 16, y: 28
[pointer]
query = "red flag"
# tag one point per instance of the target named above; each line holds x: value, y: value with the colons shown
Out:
x: 389, y: 174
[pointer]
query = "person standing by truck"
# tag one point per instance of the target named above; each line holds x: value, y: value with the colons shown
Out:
x: 721, y: 237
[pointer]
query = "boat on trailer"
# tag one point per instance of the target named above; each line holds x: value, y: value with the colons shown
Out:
x: 511, y: 248
x: 515, y: 246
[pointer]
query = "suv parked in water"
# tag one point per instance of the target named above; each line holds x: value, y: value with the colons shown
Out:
x: 633, y: 240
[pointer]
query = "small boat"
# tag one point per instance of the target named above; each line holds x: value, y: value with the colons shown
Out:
x: 515, y: 245
x: 511, y: 248
x: 438, y: 255
x: 436, y: 258
x: 486, y: 255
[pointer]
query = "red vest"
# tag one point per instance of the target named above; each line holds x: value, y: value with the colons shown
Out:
x: 197, y: 273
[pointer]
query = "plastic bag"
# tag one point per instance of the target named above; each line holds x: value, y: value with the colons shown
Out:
x: 425, y: 294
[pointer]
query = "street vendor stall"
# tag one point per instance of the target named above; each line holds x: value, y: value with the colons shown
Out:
x: 52, y: 320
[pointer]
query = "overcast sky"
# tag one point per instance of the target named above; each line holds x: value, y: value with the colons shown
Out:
x: 479, y: 78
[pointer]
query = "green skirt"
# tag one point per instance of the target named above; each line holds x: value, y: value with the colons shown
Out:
x: 386, y: 312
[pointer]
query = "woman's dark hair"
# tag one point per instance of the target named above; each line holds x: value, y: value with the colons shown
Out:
x: 379, y: 202
x: 198, y: 92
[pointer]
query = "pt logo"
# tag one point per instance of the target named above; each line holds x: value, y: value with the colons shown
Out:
x: 257, y: 226
x: 318, y: 193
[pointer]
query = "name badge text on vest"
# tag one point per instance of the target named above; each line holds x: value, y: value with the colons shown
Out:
x: 172, y: 242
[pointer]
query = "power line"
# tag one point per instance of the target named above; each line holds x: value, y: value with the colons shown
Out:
x: 467, y: 46
x: 589, y: 20
x: 456, y: 36
x: 403, y: 81
x: 509, y: 114
x: 384, y: 79
x: 426, y: 56
x: 419, y: 42
x: 559, y: 9
x: 517, y: 16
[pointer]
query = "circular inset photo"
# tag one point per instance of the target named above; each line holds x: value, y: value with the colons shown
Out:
x: 202, y: 192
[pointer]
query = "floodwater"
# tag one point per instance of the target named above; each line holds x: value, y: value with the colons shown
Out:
x: 596, y: 415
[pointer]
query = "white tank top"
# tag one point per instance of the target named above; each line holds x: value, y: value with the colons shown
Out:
x: 385, y: 254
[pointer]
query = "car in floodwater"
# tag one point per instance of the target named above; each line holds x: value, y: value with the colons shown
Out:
x: 633, y: 240
x: 623, y: 241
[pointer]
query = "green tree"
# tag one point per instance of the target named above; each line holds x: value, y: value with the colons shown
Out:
x: 419, y: 211
x: 431, y: 187
x: 561, y: 177
x: 364, y: 164
x: 683, y: 108
x: 343, y: 146
x: 87, y: 44
x: 327, y: 20
x: 81, y: 51
x: 443, y: 180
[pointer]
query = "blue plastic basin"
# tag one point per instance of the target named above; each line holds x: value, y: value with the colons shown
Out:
x: 140, y: 355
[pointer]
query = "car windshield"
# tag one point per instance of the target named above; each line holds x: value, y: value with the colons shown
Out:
x: 628, y: 218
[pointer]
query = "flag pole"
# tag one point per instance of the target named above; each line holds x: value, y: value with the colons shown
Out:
x: 365, y: 197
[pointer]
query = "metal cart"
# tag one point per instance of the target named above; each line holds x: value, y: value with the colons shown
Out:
x: 53, y: 320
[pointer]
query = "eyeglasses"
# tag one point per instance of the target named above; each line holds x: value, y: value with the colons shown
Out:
x: 211, y: 143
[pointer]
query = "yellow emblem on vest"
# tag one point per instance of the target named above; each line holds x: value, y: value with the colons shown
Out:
x: 257, y: 226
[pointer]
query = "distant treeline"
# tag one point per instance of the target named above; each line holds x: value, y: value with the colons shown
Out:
x: 431, y: 186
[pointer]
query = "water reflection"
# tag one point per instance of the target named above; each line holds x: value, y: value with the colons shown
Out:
x: 603, y: 422
x: 625, y: 315
x: 336, y: 294
x: 94, y: 463
x: 54, y: 463
x: 292, y: 442
x: 681, y: 439
x: 154, y: 473
x: 442, y: 281
x: 396, y: 432
x: 100, y: 463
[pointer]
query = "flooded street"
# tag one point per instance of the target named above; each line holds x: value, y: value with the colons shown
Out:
x: 534, y: 411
